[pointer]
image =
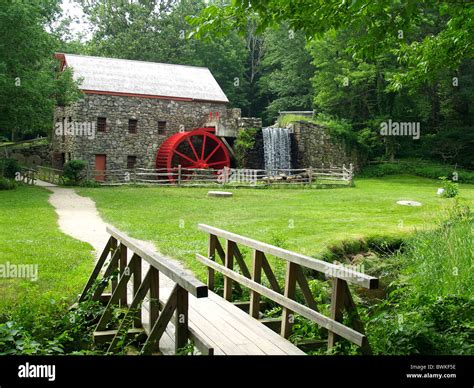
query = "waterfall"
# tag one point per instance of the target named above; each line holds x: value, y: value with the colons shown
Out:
x: 277, y: 151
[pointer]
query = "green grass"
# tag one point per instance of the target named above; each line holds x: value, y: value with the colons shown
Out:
x: 29, y: 234
x: 306, y: 221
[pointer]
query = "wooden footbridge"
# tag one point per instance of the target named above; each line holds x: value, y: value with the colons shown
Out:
x: 166, y: 309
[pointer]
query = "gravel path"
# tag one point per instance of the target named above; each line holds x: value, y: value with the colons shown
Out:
x: 79, y: 218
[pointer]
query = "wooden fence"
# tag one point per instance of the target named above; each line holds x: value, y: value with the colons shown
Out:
x: 160, y: 313
x: 231, y: 177
x: 26, y: 175
x: 341, y: 298
x: 51, y: 175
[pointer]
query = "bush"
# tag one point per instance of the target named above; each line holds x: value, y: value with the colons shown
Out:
x: 9, y: 168
x: 7, y: 184
x: 245, y: 142
x: 450, y: 189
x: 74, y: 171
x: 430, y: 308
x: 419, y: 168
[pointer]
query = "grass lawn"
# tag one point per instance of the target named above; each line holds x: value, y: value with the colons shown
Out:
x: 303, y: 220
x: 29, y: 234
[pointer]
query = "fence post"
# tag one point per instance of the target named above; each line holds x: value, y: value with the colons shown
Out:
x: 229, y: 263
x: 351, y: 174
x: 337, y: 305
x: 179, y: 175
x: 181, y: 323
x: 287, y: 317
x: 211, y: 255
x: 254, y: 308
x: 310, y: 175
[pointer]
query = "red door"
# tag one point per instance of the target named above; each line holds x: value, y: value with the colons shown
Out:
x: 100, y: 164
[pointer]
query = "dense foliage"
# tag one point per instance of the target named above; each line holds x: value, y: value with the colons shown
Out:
x: 360, y: 63
x: 29, y: 86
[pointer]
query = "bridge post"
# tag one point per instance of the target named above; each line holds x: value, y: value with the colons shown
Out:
x: 287, y: 317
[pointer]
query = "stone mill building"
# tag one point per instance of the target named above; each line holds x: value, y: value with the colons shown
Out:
x: 129, y: 108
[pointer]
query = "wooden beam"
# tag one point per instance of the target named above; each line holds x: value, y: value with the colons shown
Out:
x: 181, y: 320
x: 200, y: 343
x: 123, y: 268
x: 211, y: 252
x: 96, y: 271
x: 112, y: 267
x: 113, y: 248
x: 241, y: 262
x: 114, y: 299
x: 256, y: 277
x: 337, y: 305
x: 137, y: 281
x: 272, y: 323
x: 292, y: 305
x: 163, y: 264
x: 104, y: 336
x: 229, y: 263
x: 287, y: 316
x: 136, y: 303
x: 354, y: 317
x: 304, y: 287
x: 329, y: 269
x: 160, y: 325
x: 270, y: 275
x: 154, y: 297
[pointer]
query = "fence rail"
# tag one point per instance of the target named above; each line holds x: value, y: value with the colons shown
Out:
x: 181, y: 176
x: 231, y: 177
x: 341, y: 298
x: 160, y: 313
x: 51, y: 175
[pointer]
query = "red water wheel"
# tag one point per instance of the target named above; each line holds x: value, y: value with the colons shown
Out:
x: 198, y: 149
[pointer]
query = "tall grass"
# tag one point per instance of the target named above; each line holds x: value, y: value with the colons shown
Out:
x: 440, y: 261
x: 430, y: 309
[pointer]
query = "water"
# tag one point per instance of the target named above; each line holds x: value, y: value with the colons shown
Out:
x: 277, y: 149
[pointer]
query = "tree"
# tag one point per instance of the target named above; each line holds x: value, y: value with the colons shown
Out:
x: 159, y: 33
x: 29, y: 88
x: 379, y: 26
x: 287, y: 72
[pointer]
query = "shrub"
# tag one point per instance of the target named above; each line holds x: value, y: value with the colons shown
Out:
x: 245, y: 142
x: 430, y: 308
x: 7, y: 184
x: 9, y: 167
x: 451, y: 189
x: 74, y: 171
x: 417, y: 167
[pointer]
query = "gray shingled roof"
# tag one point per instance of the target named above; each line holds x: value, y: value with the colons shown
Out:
x: 150, y: 78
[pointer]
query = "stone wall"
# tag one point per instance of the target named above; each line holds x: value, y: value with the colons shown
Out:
x: 312, y: 146
x: 117, y: 143
x: 31, y: 156
x: 254, y: 158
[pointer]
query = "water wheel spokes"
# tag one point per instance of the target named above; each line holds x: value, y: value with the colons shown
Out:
x: 198, y: 149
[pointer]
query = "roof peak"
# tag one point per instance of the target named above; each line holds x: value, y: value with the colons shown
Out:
x: 132, y: 60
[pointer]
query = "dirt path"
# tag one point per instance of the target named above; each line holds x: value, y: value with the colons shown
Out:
x: 78, y: 217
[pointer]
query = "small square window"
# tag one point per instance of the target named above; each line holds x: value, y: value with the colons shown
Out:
x: 101, y: 124
x: 161, y: 127
x: 131, y: 162
x: 132, y: 125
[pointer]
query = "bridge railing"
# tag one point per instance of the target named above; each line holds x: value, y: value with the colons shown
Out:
x: 341, y: 298
x: 114, y: 267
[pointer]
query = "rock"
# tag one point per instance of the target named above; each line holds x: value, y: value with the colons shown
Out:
x: 219, y: 194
